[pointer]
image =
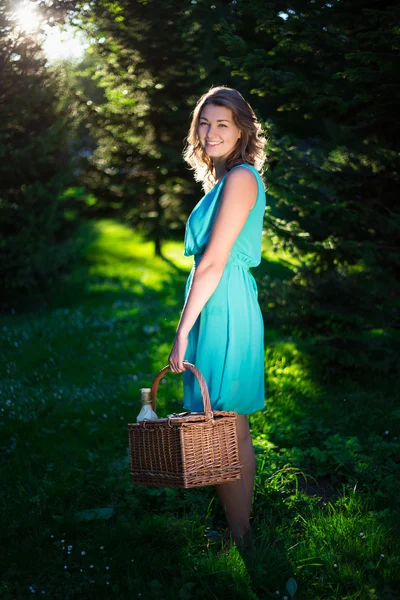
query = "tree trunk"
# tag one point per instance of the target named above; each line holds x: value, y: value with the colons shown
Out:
x: 157, y: 230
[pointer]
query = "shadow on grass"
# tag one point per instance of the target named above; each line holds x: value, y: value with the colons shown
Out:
x: 96, y: 338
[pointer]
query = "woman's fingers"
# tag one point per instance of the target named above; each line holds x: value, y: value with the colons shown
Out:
x: 174, y: 365
x: 176, y: 368
x: 177, y: 354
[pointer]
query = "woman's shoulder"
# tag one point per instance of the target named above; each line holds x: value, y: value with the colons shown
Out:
x: 248, y: 176
x: 243, y: 168
x: 244, y: 164
x: 242, y: 172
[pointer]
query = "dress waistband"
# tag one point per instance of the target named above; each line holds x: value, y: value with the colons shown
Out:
x: 232, y: 259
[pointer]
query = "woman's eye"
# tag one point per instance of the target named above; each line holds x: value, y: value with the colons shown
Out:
x: 220, y: 125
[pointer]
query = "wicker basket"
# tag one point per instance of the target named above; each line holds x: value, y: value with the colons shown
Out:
x: 184, y: 450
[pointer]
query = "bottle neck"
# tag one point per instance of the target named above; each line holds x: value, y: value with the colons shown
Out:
x: 146, y: 398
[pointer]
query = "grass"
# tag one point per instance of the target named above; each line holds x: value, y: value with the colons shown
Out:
x: 326, y: 505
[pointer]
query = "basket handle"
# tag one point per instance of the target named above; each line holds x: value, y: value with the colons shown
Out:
x: 200, y: 379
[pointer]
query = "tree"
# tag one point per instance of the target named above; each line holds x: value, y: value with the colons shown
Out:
x: 153, y: 60
x: 35, y: 163
x: 324, y: 76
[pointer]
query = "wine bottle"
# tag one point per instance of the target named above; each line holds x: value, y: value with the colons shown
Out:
x: 146, y: 411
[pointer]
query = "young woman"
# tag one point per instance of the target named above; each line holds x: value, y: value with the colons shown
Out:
x: 221, y: 329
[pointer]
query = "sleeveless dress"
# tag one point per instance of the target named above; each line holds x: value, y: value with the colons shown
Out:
x: 226, y: 343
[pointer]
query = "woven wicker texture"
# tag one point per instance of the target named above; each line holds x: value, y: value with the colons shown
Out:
x: 184, y: 450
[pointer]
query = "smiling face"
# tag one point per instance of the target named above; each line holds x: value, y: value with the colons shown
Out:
x: 218, y: 134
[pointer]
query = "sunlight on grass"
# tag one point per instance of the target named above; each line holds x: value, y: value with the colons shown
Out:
x: 350, y: 540
x: 121, y: 257
x: 174, y: 252
x: 70, y: 380
x: 288, y: 368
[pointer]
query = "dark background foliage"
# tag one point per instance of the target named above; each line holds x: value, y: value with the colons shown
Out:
x: 94, y: 197
x: 35, y: 164
x: 322, y: 79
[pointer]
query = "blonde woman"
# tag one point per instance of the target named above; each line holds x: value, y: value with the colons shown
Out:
x: 221, y: 329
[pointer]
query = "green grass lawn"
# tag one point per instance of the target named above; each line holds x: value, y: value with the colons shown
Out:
x: 327, y: 503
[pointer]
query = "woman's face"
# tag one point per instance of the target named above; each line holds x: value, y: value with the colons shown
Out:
x: 217, y: 131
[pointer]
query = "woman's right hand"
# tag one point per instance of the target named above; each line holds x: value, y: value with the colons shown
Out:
x: 177, y: 354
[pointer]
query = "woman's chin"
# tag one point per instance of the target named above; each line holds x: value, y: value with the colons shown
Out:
x: 216, y: 153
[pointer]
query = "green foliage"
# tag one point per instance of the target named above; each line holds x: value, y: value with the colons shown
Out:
x: 326, y: 517
x: 148, y: 64
x: 352, y: 329
x: 35, y: 166
x: 324, y: 78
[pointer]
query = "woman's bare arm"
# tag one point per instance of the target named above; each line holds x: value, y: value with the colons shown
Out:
x: 239, y: 196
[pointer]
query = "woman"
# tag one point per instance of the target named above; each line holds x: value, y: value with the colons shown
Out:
x: 221, y: 329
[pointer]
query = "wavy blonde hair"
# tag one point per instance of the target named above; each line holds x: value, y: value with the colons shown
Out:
x: 249, y: 148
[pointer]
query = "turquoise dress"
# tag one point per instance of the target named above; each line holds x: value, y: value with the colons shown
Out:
x: 226, y: 343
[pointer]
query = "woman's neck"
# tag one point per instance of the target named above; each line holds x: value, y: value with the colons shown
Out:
x: 220, y: 169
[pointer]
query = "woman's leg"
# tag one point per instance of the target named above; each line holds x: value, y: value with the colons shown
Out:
x: 236, y: 496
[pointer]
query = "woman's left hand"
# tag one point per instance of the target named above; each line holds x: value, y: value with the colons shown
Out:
x: 177, y: 354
